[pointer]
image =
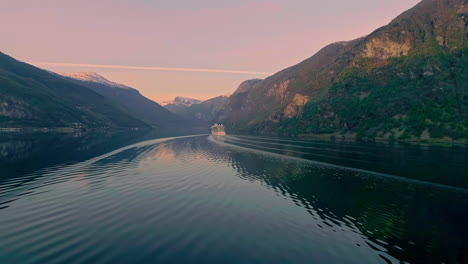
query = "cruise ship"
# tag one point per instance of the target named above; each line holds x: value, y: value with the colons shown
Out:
x: 218, y: 130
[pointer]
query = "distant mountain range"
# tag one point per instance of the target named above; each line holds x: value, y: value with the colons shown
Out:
x: 203, y: 113
x: 406, y: 80
x: 129, y: 99
x: 35, y: 98
x: 180, y: 105
x: 181, y: 101
x: 31, y: 97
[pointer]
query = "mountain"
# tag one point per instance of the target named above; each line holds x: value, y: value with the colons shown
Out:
x: 406, y: 80
x: 180, y: 105
x: 128, y: 99
x: 238, y: 108
x: 94, y: 77
x: 31, y: 97
x: 203, y: 113
x: 182, y: 101
x: 207, y: 111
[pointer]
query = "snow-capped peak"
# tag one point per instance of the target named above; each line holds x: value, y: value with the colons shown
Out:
x: 179, y: 100
x: 94, y: 77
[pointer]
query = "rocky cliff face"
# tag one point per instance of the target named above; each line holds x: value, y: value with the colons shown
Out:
x: 11, y: 107
x: 295, y: 107
x: 201, y: 114
x: 430, y: 26
x: 239, y: 97
x: 207, y: 111
x: 388, y: 45
x: 284, y: 94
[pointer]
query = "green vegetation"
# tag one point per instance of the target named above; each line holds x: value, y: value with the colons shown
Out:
x: 409, y: 97
x: 404, y: 81
x: 31, y: 97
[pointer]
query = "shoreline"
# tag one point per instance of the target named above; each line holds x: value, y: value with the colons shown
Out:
x: 60, y: 129
x: 352, y: 138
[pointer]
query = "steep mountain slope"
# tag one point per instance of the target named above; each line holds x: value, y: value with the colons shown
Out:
x: 186, y: 101
x: 419, y: 97
x: 31, y: 97
x: 181, y: 105
x: 284, y: 94
x: 93, y: 77
x: 203, y: 113
x: 424, y: 50
x: 207, y: 111
x: 238, y: 108
x: 128, y: 99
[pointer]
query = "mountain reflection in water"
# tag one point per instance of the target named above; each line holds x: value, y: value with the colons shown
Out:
x: 228, y: 199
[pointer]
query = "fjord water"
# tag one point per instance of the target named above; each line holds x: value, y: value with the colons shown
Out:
x: 234, y: 199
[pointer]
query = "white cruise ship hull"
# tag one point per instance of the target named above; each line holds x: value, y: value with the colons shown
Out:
x: 219, y: 133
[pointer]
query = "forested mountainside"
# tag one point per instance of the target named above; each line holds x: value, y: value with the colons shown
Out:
x: 129, y: 99
x: 408, y: 79
x: 31, y: 97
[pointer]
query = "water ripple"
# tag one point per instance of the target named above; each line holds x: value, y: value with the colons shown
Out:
x: 198, y: 199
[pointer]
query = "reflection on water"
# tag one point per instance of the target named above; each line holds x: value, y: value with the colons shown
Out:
x: 442, y: 165
x: 231, y: 200
x: 21, y: 154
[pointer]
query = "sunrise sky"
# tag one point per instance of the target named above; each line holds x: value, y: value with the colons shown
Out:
x: 193, y: 48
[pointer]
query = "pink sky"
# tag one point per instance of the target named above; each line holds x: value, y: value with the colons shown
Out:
x: 241, y: 35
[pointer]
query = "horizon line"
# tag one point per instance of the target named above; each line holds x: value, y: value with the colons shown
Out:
x: 106, y: 66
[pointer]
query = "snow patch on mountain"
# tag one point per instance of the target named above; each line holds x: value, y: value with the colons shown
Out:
x: 94, y: 77
x: 182, y: 101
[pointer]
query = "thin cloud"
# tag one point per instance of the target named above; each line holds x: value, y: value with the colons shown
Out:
x: 103, y: 66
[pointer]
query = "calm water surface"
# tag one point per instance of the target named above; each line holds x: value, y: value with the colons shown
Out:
x: 236, y: 199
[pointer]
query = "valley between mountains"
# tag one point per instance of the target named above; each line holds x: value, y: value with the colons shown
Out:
x: 407, y: 80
